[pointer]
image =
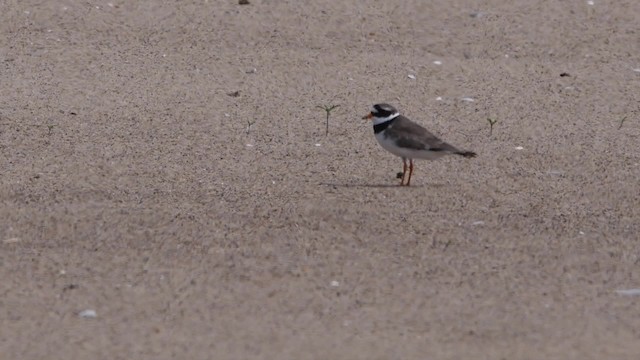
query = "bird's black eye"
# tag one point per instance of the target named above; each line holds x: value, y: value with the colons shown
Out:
x: 383, y: 110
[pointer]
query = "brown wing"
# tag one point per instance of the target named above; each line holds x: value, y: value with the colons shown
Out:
x: 408, y: 134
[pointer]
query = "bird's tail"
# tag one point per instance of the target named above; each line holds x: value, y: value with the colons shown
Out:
x: 467, y: 154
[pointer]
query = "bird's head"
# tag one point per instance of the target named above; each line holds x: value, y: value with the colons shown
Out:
x: 381, y: 113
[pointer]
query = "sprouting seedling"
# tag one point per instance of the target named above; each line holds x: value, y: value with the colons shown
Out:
x: 328, y: 109
x: 622, y: 122
x: 491, y: 123
x: 249, y: 124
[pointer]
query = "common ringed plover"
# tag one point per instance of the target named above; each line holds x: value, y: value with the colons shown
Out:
x: 408, y: 140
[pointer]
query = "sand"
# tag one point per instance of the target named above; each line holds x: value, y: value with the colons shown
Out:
x: 132, y: 185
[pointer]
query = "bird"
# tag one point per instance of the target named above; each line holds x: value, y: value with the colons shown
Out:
x: 404, y: 138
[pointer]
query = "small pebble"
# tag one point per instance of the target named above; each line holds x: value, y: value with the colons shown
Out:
x: 335, y: 283
x: 439, y: 98
x: 318, y: 144
x: 411, y: 76
x: 476, y: 223
x: 88, y: 314
x: 630, y: 292
x: 519, y: 148
x: 438, y: 62
x: 468, y: 99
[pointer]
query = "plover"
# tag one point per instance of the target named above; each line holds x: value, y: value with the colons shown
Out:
x: 408, y: 140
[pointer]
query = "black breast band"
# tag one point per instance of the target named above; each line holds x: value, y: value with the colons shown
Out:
x: 380, y: 127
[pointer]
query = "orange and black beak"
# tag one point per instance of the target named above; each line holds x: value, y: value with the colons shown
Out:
x: 368, y: 116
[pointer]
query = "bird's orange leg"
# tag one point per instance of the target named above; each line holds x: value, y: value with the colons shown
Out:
x: 410, y: 171
x: 404, y: 170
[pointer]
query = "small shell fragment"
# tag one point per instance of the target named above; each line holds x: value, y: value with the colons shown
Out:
x: 89, y: 313
x: 630, y: 292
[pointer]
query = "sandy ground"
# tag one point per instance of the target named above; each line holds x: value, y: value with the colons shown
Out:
x: 131, y: 185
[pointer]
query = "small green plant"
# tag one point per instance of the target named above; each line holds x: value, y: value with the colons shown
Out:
x: 328, y: 109
x: 622, y: 122
x: 249, y: 124
x: 491, y: 123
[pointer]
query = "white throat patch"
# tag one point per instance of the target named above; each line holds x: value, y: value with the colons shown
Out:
x: 377, y: 120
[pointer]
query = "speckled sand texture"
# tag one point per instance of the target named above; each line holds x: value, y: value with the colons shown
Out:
x: 141, y: 218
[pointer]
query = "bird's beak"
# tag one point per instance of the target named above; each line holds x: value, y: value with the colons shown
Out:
x: 368, y: 116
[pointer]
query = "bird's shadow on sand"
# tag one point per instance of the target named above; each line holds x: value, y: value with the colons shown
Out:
x: 379, y: 186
